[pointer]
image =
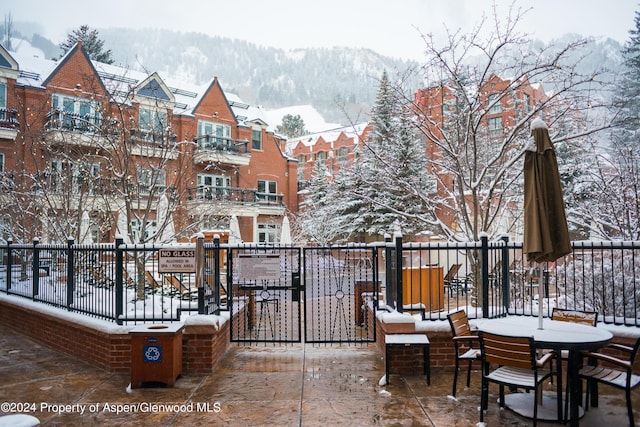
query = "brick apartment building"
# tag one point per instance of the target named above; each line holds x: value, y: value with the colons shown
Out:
x: 335, y: 146
x: 80, y: 136
x: 502, y: 104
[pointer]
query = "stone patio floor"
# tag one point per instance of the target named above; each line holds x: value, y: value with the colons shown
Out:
x: 266, y: 385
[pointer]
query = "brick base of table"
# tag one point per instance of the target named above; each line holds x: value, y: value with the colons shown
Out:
x: 407, y: 340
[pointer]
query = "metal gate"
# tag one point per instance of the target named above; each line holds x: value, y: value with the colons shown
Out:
x: 273, y: 290
x: 265, y: 282
x: 339, y: 284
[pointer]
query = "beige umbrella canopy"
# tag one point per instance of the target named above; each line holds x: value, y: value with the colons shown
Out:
x: 546, y: 235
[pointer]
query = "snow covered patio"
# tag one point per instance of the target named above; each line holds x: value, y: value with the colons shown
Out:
x: 258, y: 385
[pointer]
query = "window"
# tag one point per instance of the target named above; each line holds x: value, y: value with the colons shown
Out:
x: 497, y: 107
x: 495, y: 126
x: 77, y: 176
x: 212, y: 135
x: 267, y: 191
x: 527, y: 103
x: 268, y: 233
x: 213, y: 186
x: 321, y: 155
x: 153, y: 120
x: 1, y: 162
x: 3, y: 95
x: 302, y: 158
x: 76, y: 113
x: 149, y: 231
x: 342, y: 153
x: 149, y: 178
x: 256, y: 139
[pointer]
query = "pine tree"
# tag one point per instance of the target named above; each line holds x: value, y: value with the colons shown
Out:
x: 91, y: 44
x: 393, y: 167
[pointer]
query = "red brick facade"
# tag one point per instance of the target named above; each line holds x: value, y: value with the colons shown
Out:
x: 251, y: 178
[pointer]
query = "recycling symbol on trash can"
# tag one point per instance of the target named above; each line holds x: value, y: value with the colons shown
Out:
x: 153, y: 353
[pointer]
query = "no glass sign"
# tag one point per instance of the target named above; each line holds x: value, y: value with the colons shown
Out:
x: 176, y: 260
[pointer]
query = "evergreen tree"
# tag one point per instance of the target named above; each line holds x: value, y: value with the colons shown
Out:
x: 292, y: 126
x: 393, y: 167
x: 91, y: 44
x: 319, y: 218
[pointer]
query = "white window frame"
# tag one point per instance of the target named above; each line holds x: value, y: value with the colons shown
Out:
x: 218, y: 132
x: 149, y: 178
x: 210, y: 185
x: 58, y: 166
x: 256, y: 139
x: 268, y: 233
x: 75, y: 110
x: 494, y: 125
x: 3, y: 95
x: 497, y: 107
x: 153, y: 120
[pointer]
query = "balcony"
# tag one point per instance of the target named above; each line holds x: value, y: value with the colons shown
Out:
x: 9, y: 124
x: 70, y: 128
x: 215, y: 149
x: 243, y: 196
x: 150, y: 143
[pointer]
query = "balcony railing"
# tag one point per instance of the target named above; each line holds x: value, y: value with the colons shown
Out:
x: 215, y: 149
x: 9, y: 118
x: 153, y: 137
x: 65, y: 121
x: 218, y: 143
x: 54, y: 185
x: 232, y: 195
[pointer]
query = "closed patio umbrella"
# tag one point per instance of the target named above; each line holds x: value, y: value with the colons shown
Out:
x: 546, y: 235
x: 285, y: 232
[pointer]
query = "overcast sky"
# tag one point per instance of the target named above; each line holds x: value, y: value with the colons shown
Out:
x: 390, y: 27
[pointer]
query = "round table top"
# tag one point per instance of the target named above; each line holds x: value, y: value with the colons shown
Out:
x: 553, y: 332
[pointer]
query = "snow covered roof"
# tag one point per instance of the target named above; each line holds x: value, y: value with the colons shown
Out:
x: 313, y: 120
x: 351, y: 131
x: 121, y: 81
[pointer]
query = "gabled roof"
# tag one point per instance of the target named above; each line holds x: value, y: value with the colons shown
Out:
x: 8, y: 65
x: 72, y: 52
x: 331, y: 135
x: 153, y: 87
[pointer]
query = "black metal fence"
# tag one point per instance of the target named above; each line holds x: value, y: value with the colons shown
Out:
x: 491, y: 279
x: 111, y: 281
x: 122, y: 283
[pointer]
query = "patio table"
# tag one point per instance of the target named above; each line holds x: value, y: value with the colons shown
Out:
x: 558, y: 336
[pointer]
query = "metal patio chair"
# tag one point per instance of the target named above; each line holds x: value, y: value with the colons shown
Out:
x: 512, y: 362
x: 463, y: 343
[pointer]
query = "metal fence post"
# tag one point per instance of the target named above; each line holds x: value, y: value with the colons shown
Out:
x: 388, y: 271
x: 35, y: 268
x: 216, y: 272
x: 70, y: 275
x: 200, y: 273
x: 506, y: 262
x: 9, y: 263
x: 398, y: 237
x: 119, y: 280
x: 484, y: 273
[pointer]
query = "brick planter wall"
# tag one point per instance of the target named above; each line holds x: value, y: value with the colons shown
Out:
x: 108, y: 346
x: 408, y: 360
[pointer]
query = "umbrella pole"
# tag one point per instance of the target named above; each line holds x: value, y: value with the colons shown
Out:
x: 540, y: 296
